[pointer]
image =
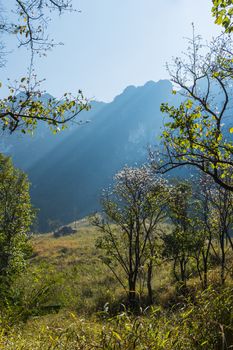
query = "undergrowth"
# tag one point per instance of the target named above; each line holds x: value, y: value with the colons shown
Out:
x: 68, y: 300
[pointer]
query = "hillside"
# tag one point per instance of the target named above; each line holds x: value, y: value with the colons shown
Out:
x: 68, y: 171
x: 68, y: 299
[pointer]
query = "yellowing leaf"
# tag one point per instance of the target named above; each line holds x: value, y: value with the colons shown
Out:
x: 117, y: 335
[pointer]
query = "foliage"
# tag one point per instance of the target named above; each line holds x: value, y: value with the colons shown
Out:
x: 222, y: 202
x: 205, y: 324
x: 23, y: 107
x: 66, y: 272
x: 203, y: 189
x: 135, y: 207
x: 222, y: 10
x: 31, y: 20
x: 16, y: 215
x: 198, y: 132
x: 182, y: 242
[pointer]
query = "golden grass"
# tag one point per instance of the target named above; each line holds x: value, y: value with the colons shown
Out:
x: 73, y: 248
x: 81, y: 285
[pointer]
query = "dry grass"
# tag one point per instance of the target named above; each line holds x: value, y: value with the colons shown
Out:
x: 78, y: 247
x: 66, y: 272
x: 77, y: 279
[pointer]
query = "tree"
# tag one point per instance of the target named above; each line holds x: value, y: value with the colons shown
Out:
x: 16, y: 216
x: 198, y: 132
x: 23, y: 108
x: 222, y: 202
x: 205, y: 228
x: 132, y: 212
x: 183, y: 240
x: 222, y: 10
x: 156, y: 203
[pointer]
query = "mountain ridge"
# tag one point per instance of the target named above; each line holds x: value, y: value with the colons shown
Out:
x: 68, y: 171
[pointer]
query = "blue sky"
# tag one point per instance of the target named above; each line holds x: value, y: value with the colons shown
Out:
x: 114, y: 43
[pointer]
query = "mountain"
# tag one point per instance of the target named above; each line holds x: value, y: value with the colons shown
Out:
x: 68, y: 171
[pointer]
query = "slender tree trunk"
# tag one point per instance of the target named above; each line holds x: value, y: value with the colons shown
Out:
x: 149, y: 280
x: 174, y: 270
x: 183, y: 271
x: 223, y: 268
x: 199, y: 270
x: 223, y: 259
x: 205, y: 271
x: 205, y: 280
x: 132, y: 291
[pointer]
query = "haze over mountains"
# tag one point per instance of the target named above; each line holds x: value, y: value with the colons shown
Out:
x: 68, y: 171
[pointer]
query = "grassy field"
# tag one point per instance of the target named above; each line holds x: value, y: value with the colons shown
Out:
x: 67, y: 299
x: 71, y: 269
x: 74, y: 267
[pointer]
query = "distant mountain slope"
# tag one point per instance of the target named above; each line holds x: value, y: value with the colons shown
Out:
x: 69, y: 171
x: 27, y: 149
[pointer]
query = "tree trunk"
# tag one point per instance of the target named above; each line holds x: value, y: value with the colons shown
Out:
x: 183, y: 271
x: 132, y: 292
x: 205, y: 273
x: 223, y: 259
x: 149, y: 279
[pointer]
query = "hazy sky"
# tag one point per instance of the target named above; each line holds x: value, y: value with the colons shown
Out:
x: 114, y: 43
